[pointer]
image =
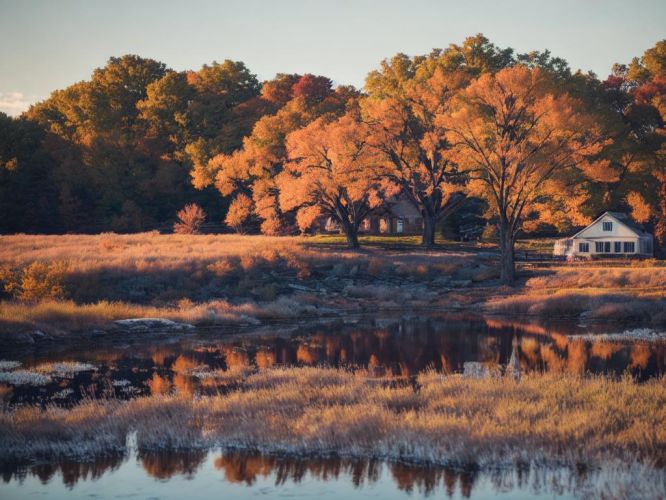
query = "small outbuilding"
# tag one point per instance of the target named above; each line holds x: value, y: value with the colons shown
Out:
x: 613, y: 234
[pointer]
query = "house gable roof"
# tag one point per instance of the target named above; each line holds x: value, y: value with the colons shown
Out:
x: 619, y: 217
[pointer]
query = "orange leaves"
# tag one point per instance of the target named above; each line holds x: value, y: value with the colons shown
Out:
x: 239, y: 212
x: 306, y: 216
x: 516, y: 134
x: 640, y: 209
x: 330, y: 165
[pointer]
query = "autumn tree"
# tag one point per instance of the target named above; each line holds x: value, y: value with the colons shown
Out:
x: 522, y: 142
x: 332, y: 172
x: 240, y: 212
x: 413, y: 144
x: 251, y: 170
x: 637, y: 93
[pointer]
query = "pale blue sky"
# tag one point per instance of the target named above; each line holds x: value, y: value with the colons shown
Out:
x: 49, y: 44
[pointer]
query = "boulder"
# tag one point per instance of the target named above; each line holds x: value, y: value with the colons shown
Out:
x: 474, y: 369
x: 152, y: 325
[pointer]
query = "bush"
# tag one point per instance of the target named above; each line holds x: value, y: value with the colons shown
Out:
x: 190, y: 219
x: 39, y: 280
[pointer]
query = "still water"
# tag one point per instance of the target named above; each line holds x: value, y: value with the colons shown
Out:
x: 393, y: 347
x: 217, y: 474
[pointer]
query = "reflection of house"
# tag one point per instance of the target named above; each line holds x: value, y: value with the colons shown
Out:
x: 612, y: 234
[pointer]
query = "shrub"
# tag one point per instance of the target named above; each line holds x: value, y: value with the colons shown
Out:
x: 190, y: 219
x: 39, y: 280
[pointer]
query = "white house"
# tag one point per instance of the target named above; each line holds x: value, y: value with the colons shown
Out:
x: 612, y: 234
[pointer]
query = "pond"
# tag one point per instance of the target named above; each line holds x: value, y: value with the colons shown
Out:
x: 214, y: 473
x: 392, y: 347
x: 397, y: 347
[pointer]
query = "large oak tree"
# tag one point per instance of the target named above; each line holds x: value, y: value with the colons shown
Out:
x: 522, y: 141
x: 332, y: 172
x: 415, y: 150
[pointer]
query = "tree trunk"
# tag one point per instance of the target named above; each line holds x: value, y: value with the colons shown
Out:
x: 428, y: 235
x: 507, y: 265
x: 351, y: 233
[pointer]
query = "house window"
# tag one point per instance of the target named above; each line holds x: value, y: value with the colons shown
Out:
x: 618, y: 247
x: 607, y: 247
x: 400, y: 226
x: 599, y: 246
x: 608, y: 226
x: 583, y: 247
x: 629, y: 247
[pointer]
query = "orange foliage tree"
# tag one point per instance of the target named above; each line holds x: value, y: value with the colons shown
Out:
x: 239, y: 213
x: 413, y: 144
x: 252, y: 169
x: 522, y: 143
x: 332, y: 172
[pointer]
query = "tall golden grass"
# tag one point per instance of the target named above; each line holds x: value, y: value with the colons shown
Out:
x: 192, y: 278
x: 596, y: 304
x: 545, y: 418
x: 600, y: 277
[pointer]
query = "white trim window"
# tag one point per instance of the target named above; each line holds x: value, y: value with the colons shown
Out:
x: 629, y: 247
x: 608, y: 226
x: 584, y: 247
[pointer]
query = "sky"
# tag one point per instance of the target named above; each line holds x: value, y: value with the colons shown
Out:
x: 49, y: 44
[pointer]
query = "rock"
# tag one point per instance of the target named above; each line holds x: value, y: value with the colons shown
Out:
x: 38, y: 335
x: 461, y: 283
x: 152, y: 324
x: 474, y: 369
x: 338, y: 269
x: 485, y: 273
x: 441, y: 282
x: 300, y: 288
x: 353, y: 271
x: 18, y: 338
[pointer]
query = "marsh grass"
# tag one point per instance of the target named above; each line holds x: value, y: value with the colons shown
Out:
x: 594, y: 304
x: 236, y: 279
x: 202, y: 279
x: 68, y: 315
x: 551, y: 418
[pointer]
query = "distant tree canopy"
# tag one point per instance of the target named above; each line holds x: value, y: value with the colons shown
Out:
x: 130, y: 147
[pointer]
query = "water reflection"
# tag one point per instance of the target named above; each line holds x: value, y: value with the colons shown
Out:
x: 248, y: 470
x: 388, y: 347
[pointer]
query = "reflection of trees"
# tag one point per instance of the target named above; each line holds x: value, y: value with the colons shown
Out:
x: 163, y: 464
x: 239, y: 467
x: 159, y: 385
x: 640, y: 356
x: 235, y: 357
x: 396, y: 348
x: 265, y: 358
x: 542, y: 348
x: 71, y: 471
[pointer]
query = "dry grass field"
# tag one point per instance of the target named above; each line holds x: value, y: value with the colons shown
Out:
x: 80, y: 281
x: 542, y: 419
x: 76, y: 282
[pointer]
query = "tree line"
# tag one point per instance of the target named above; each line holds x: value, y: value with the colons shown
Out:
x: 543, y: 146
